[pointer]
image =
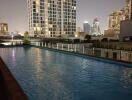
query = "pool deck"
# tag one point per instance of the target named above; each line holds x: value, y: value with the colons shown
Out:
x: 9, y: 87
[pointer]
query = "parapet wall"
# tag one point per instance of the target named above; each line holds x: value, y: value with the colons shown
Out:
x: 9, y: 87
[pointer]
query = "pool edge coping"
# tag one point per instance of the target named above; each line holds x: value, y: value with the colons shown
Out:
x: 119, y: 62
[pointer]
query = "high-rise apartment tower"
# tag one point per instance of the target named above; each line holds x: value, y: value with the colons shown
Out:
x: 52, y: 18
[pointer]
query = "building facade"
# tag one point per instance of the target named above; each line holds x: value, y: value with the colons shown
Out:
x: 129, y: 8
x: 3, y: 28
x: 52, y: 18
x: 115, y: 19
x: 126, y: 25
x: 126, y: 30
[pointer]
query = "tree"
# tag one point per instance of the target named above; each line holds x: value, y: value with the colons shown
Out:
x: 26, y: 40
x: 87, y: 37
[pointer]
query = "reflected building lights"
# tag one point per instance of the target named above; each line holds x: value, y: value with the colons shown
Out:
x: 38, y: 63
x: 13, y: 56
x: 127, y: 77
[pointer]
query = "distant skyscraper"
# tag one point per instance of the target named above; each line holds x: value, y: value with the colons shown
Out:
x: 3, y: 28
x: 86, y: 27
x: 96, y: 27
x: 51, y: 18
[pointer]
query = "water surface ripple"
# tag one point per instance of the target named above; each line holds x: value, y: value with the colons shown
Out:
x: 49, y: 75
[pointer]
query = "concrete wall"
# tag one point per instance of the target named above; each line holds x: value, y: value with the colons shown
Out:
x: 9, y: 87
x: 112, y: 54
x: 117, y: 55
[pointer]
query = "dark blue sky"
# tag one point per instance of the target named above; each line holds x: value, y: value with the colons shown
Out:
x: 14, y: 12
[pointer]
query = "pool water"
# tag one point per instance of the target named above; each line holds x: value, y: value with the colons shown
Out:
x: 50, y: 75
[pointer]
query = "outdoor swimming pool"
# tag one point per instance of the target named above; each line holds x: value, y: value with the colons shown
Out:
x: 49, y: 75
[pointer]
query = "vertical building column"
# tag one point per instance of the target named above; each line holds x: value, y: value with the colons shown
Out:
x: 62, y: 46
x: 46, y: 18
x: 75, y: 47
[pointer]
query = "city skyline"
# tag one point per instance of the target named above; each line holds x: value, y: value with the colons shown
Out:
x: 17, y: 17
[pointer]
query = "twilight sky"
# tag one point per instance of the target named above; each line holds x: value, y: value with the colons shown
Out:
x: 14, y: 12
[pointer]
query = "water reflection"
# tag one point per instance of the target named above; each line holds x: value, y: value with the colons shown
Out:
x: 84, y: 63
x: 127, y: 77
x: 48, y: 75
x: 38, y: 58
x: 13, y: 56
